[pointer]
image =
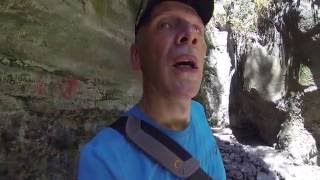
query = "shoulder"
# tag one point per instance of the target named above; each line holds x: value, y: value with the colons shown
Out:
x: 101, y: 157
x: 105, y: 140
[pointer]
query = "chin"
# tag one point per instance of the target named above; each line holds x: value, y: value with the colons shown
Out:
x: 186, y: 90
x: 186, y: 95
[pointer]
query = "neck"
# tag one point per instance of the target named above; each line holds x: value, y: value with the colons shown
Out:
x: 172, y: 114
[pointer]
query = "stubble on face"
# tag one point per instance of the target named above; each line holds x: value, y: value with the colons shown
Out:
x: 160, y: 51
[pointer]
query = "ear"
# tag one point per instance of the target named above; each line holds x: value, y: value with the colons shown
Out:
x: 135, y: 57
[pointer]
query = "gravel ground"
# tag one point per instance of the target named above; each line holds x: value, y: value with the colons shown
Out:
x: 259, y: 162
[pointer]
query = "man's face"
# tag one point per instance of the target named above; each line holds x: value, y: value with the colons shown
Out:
x: 170, y: 51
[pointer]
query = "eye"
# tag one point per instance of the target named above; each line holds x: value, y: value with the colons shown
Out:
x: 165, y: 25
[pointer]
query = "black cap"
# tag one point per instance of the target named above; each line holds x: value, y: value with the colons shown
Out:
x: 204, y: 8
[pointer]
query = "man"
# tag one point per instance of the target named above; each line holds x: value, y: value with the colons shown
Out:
x: 169, y: 50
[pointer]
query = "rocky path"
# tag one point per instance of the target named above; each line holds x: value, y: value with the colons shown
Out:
x: 259, y: 162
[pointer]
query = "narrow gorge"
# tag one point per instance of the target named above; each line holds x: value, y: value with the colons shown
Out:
x: 65, y: 74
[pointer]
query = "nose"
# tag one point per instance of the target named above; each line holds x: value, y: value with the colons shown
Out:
x: 187, y: 35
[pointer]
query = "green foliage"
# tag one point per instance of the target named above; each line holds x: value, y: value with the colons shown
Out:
x: 302, y: 72
x: 242, y: 17
x: 305, y: 74
x: 259, y: 5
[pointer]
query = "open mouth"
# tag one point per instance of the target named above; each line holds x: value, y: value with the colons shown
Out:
x: 186, y: 64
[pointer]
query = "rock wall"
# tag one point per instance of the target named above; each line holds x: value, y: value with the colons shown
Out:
x: 311, y: 115
x: 274, y: 52
x: 301, y: 28
x: 64, y: 75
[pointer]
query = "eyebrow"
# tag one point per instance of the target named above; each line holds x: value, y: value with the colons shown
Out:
x: 165, y: 14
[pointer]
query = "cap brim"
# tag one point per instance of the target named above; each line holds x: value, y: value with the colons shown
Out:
x: 204, y: 9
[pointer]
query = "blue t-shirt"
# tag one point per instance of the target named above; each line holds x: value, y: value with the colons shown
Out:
x: 110, y: 156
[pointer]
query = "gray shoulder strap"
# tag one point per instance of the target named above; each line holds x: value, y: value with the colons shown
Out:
x: 158, y: 151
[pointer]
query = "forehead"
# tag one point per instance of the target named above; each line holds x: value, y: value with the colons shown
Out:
x: 172, y: 7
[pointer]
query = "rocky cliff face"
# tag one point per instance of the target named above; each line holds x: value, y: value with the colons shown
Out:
x: 274, y: 53
x: 65, y: 74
